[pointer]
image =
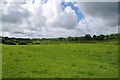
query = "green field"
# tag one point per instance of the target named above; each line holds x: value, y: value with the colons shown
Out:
x: 75, y: 60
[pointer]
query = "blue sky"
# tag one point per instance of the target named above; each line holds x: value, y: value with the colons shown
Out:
x: 73, y: 7
x: 76, y: 9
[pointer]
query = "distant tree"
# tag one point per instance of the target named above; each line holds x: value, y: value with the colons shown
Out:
x: 112, y: 36
x: 43, y: 39
x: 70, y: 38
x: 81, y: 38
x: 6, y: 38
x: 61, y: 39
x: 75, y: 38
x: 107, y: 37
x: 0, y: 39
x: 88, y: 37
x: 4, y: 41
x: 12, y: 43
x: 100, y: 37
x: 94, y: 37
x: 22, y: 43
x: 37, y: 43
x: 117, y: 36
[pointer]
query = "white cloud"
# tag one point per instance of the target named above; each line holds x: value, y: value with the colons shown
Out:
x: 100, y: 18
x: 108, y: 11
x: 66, y: 19
x: 49, y: 20
x: 95, y: 25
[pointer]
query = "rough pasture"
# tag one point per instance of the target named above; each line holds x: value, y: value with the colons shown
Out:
x: 76, y: 60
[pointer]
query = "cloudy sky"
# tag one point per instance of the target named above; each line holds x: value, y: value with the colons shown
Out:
x: 57, y: 18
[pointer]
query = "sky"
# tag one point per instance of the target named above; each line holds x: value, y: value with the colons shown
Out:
x: 57, y: 18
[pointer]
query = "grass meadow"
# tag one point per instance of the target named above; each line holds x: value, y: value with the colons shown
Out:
x: 72, y: 60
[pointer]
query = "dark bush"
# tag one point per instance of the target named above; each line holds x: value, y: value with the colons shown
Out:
x: 22, y: 43
x: 12, y: 43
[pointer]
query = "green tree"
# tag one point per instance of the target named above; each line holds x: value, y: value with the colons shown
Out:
x: 94, y: 37
x: 88, y: 37
x: 70, y: 38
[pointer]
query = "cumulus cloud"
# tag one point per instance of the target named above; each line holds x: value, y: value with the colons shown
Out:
x: 66, y: 19
x: 96, y: 26
x: 100, y: 18
x: 46, y: 18
x: 14, y: 13
x: 108, y: 11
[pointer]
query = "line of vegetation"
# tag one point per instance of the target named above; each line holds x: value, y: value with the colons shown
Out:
x: 83, y: 39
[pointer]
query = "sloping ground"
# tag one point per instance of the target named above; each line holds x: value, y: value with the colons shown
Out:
x: 60, y: 61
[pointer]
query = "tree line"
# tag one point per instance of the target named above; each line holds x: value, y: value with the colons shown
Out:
x: 86, y: 38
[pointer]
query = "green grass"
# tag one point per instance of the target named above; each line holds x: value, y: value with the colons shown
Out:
x: 60, y: 61
x: 0, y: 61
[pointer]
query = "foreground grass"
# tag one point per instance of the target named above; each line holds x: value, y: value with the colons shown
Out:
x: 60, y: 61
